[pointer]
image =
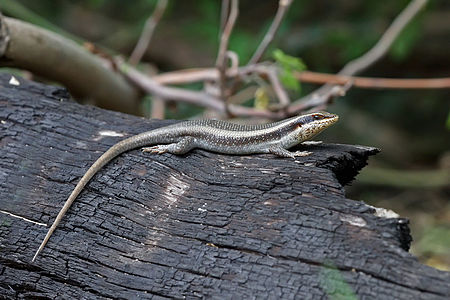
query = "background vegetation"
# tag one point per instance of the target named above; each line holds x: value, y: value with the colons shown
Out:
x: 409, y: 176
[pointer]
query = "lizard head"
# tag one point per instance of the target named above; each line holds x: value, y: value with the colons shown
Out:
x: 310, y: 125
x: 307, y: 126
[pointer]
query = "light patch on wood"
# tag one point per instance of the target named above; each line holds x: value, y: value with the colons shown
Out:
x: 22, y: 218
x: 175, y: 188
x: 385, y: 213
x: 80, y: 145
x: 353, y: 220
x: 202, y: 209
x: 14, y: 81
x: 108, y: 133
x: 267, y: 171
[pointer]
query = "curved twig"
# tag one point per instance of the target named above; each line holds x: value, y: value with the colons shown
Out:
x: 283, y: 7
x: 147, y: 33
x: 325, y: 94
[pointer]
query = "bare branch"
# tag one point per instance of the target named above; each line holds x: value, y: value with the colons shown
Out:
x: 379, y: 50
x: 221, y: 62
x: 208, y: 74
x: 152, y: 87
x: 188, y: 76
x: 234, y: 61
x: 325, y: 94
x: 375, y: 83
x: 193, y: 97
x: 147, y: 33
x: 158, y: 108
x: 278, y: 88
x: 224, y: 11
x: 283, y: 7
x: 243, y: 111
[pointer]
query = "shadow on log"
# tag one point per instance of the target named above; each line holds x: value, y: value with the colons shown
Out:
x: 202, y: 225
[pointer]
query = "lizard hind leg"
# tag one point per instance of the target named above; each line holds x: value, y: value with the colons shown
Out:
x: 185, y: 145
x: 281, y: 152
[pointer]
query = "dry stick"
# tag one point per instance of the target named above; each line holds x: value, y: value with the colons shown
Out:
x: 193, y: 97
x: 157, y: 105
x: 147, y: 33
x: 382, y: 46
x: 221, y: 62
x: 375, y: 83
x: 209, y: 74
x: 326, y: 93
x: 272, y: 75
x: 234, y: 61
x: 224, y: 11
x: 283, y: 7
x: 164, y: 92
x: 202, y: 74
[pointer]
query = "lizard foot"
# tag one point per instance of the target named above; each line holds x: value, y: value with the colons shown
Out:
x: 155, y: 149
x: 301, y: 153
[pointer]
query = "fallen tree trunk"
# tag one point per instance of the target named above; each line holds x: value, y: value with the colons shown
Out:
x: 203, y: 225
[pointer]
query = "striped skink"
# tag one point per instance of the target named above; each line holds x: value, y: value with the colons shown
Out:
x: 213, y: 135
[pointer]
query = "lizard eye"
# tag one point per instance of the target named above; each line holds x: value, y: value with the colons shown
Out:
x: 318, y: 117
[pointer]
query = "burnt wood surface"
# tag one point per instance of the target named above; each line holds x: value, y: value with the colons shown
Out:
x: 203, y: 225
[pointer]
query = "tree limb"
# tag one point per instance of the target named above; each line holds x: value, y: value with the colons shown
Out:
x: 42, y: 52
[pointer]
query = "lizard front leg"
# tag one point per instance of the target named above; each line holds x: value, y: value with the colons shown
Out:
x: 185, y: 145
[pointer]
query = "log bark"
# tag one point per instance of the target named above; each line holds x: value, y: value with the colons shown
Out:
x: 202, y: 225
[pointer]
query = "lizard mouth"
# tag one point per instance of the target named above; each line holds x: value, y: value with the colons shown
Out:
x: 327, y: 121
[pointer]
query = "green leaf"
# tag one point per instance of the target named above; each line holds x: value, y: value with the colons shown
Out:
x: 288, y: 65
x: 334, y: 284
x: 289, y: 81
x: 287, y: 61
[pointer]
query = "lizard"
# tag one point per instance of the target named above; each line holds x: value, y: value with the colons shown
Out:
x: 212, y: 135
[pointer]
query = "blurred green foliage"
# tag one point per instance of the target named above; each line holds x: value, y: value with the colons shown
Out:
x: 288, y: 66
x: 406, y: 40
x: 334, y: 284
x: 447, y: 123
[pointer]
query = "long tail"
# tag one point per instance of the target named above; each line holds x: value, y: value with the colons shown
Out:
x: 147, y: 138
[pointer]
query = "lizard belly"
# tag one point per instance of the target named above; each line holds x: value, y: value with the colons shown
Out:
x: 231, y: 147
